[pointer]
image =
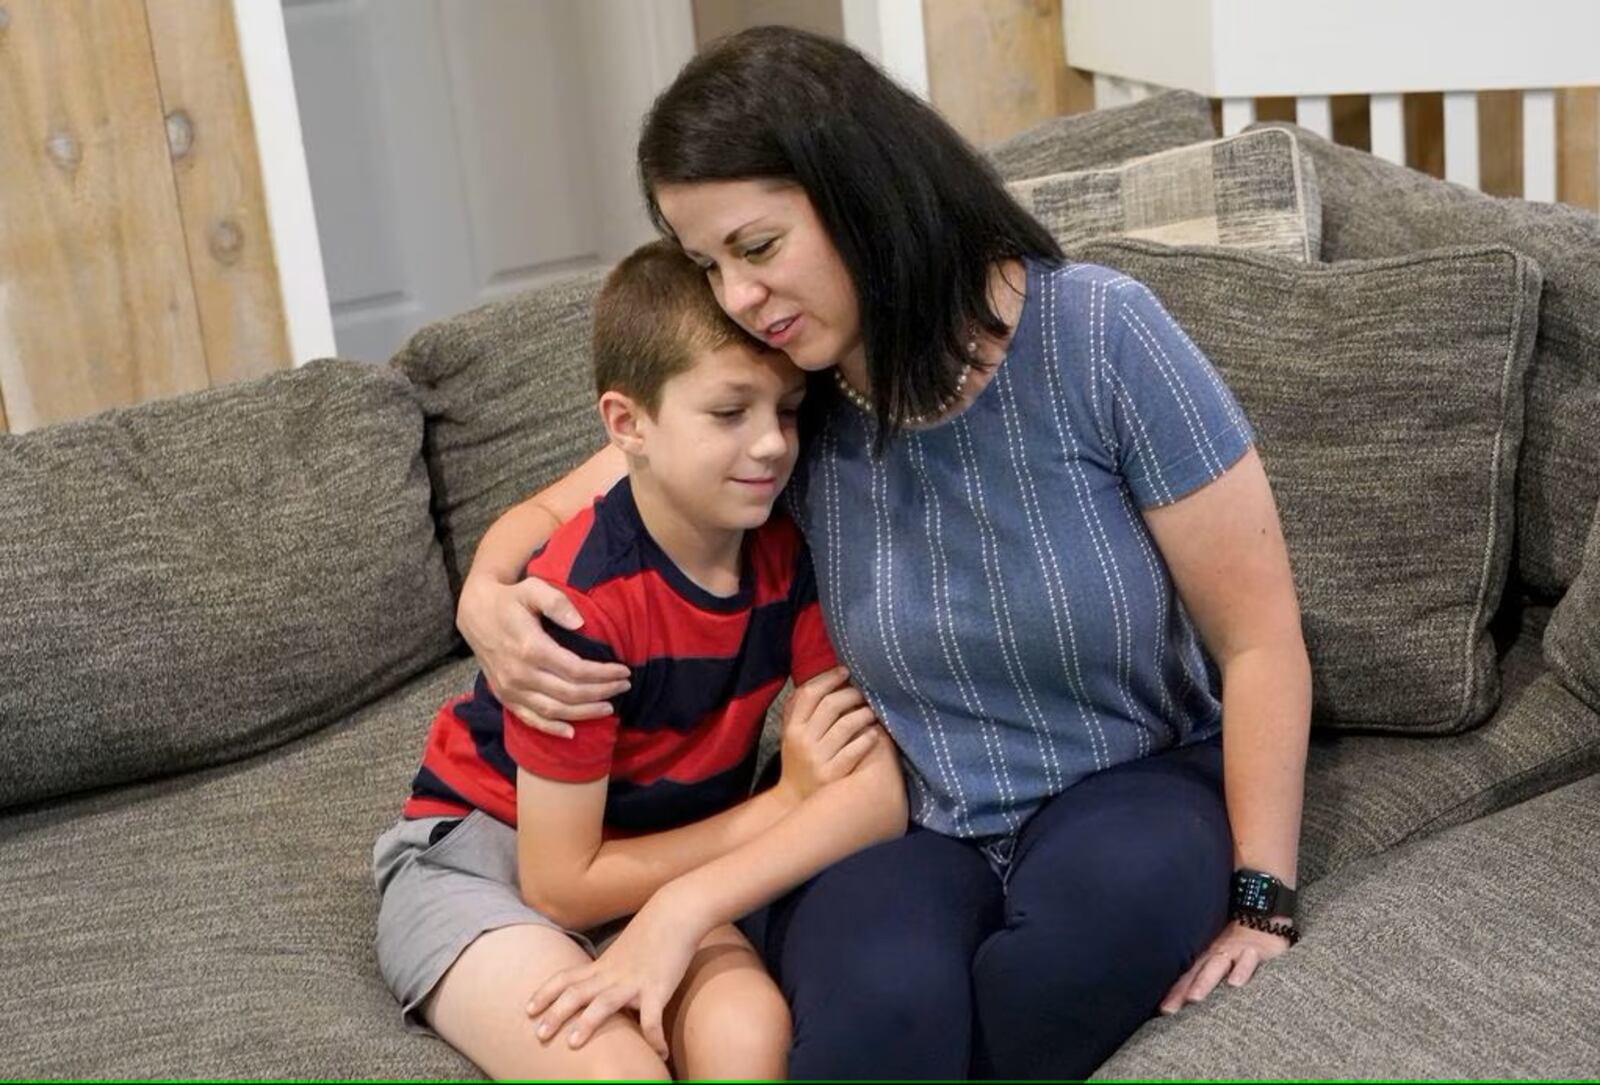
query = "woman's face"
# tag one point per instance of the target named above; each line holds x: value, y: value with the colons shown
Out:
x: 771, y: 265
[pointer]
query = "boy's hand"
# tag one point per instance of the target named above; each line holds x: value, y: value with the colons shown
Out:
x: 828, y: 728
x: 639, y: 971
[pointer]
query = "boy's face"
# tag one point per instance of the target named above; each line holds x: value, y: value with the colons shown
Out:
x: 725, y: 436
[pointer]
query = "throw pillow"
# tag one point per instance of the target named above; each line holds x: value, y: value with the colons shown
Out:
x: 1387, y: 399
x: 1373, y: 208
x: 1251, y: 191
x: 197, y: 579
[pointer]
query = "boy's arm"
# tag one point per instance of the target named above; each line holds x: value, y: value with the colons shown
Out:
x: 646, y: 963
x: 838, y: 820
x: 569, y: 873
x: 718, y: 868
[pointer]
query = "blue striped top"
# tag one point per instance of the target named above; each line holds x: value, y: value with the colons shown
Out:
x: 989, y: 580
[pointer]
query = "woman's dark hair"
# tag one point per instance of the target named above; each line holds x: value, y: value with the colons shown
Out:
x: 918, y: 217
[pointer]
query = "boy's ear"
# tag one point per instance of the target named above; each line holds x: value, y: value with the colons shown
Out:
x: 622, y: 415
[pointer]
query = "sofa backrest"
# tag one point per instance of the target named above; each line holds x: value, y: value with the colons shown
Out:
x: 508, y: 392
x: 193, y: 580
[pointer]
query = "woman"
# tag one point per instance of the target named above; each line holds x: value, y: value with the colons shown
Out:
x: 1030, y: 501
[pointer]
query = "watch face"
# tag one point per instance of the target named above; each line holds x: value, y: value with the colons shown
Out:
x: 1253, y: 892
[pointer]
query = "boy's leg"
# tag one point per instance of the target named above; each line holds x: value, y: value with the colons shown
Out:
x: 874, y: 955
x: 1115, y: 885
x: 480, y: 1009
x: 728, y: 1019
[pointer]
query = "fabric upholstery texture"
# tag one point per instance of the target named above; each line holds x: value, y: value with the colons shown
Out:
x: 1368, y: 792
x: 1572, y: 645
x: 1387, y: 399
x: 1251, y: 191
x: 508, y: 389
x: 219, y: 925
x: 1469, y: 954
x: 193, y: 580
x: 1104, y: 137
x: 1373, y: 208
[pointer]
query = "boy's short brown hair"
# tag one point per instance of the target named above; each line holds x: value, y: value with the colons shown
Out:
x: 654, y: 316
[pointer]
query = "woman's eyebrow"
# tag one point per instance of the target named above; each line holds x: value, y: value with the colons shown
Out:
x: 733, y: 235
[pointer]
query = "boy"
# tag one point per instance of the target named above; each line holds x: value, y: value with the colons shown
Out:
x: 517, y: 853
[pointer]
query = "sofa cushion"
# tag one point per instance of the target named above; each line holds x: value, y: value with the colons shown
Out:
x: 1572, y: 646
x: 1366, y: 793
x: 1374, y: 208
x: 1251, y: 191
x: 220, y: 925
x: 508, y: 391
x: 1386, y: 396
x: 1104, y: 137
x: 1470, y: 954
x: 200, y: 578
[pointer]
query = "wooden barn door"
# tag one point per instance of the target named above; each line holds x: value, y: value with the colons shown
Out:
x: 135, y: 256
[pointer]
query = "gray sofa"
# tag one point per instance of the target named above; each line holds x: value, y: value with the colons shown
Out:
x: 227, y: 621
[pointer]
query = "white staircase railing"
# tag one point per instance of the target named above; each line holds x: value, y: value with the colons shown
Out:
x: 1241, y: 50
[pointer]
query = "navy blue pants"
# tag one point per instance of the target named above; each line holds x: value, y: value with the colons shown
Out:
x: 914, y: 959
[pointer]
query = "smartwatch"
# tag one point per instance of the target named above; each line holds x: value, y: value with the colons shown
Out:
x: 1260, y: 894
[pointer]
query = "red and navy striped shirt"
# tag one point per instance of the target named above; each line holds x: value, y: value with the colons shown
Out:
x: 681, y: 743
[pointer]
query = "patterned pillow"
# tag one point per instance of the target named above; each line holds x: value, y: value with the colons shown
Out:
x: 1387, y: 399
x: 1252, y: 191
x: 1104, y: 137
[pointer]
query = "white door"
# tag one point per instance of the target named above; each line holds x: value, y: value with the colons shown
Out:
x: 463, y: 150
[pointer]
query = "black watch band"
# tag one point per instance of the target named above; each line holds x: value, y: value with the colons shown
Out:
x: 1260, y: 894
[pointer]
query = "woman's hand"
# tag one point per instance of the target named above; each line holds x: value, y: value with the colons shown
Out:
x: 542, y: 682
x: 828, y: 729
x: 1234, y: 955
x: 639, y: 971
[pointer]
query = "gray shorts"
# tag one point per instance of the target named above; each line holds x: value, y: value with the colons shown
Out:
x: 437, y: 898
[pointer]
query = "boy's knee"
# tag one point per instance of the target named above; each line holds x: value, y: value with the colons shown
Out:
x: 624, y: 1063
x: 744, y: 1031
x: 759, y: 1026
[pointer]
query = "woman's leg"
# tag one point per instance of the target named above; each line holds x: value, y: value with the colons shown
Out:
x: 1115, y: 885
x: 874, y: 955
x: 728, y: 1019
x: 480, y: 1009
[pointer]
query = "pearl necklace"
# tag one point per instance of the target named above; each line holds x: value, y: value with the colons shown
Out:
x: 865, y: 405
